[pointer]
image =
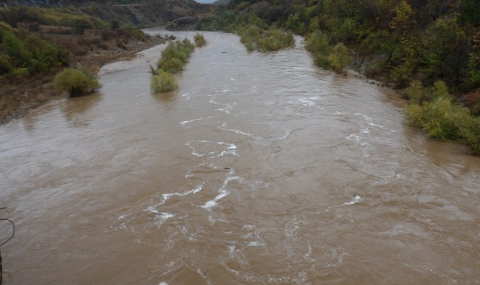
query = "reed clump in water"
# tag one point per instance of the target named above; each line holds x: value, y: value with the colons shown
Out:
x: 200, y: 40
x: 163, y: 82
x: 172, y: 61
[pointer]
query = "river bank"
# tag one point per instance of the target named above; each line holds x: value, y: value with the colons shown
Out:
x: 20, y: 95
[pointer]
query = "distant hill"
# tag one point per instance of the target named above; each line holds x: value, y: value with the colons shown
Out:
x: 222, y: 2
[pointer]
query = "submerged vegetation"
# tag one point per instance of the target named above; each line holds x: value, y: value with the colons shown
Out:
x: 172, y: 61
x: 199, y: 40
x: 163, y: 82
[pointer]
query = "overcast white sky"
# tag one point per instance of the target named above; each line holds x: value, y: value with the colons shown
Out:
x: 205, y: 1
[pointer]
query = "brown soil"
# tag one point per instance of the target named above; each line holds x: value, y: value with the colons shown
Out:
x: 19, y: 95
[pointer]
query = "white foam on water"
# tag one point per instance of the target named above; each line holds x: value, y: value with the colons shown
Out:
x: 167, y: 196
x: 356, y: 199
x: 287, y: 133
x: 183, y: 123
x: 353, y: 137
x: 151, y: 209
x: 230, y: 148
x: 222, y: 192
x: 162, y: 218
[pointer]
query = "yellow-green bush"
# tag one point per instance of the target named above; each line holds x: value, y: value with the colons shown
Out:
x: 76, y: 81
x: 440, y: 117
x: 339, y: 58
x: 200, y: 40
x: 255, y: 38
x: 175, y: 56
x: 325, y: 55
x: 163, y: 82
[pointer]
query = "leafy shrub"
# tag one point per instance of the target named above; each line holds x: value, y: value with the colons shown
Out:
x: 325, y: 55
x: 440, y: 117
x: 226, y: 22
x: 32, y: 55
x: 200, y: 40
x: 296, y: 25
x: 45, y: 54
x: 255, y: 38
x: 76, y: 81
x: 4, y: 27
x: 339, y: 58
x: 175, y: 56
x: 275, y: 39
x: 170, y: 65
x: 163, y: 82
x: 318, y: 44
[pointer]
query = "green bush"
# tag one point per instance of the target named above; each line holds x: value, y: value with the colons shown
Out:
x: 163, y: 82
x: 4, y: 27
x: 226, y: 22
x: 32, y: 55
x: 318, y: 44
x: 170, y: 65
x: 275, y: 39
x: 76, y: 81
x: 440, y: 117
x: 325, y: 55
x: 255, y: 38
x: 175, y: 56
x: 339, y: 58
x: 200, y: 40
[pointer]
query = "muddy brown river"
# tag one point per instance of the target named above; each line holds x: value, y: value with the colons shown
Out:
x: 259, y: 169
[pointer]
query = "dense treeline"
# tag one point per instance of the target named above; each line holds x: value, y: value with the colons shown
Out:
x: 432, y: 43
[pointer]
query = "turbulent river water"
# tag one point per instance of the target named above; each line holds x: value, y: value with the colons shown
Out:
x: 259, y: 169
